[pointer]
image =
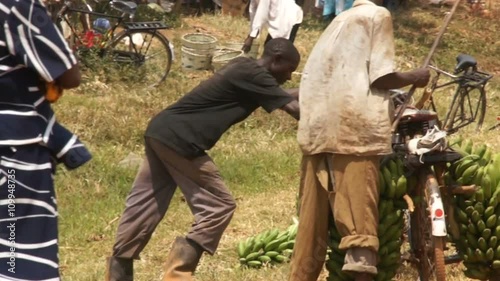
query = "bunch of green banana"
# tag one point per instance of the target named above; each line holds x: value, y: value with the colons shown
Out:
x: 393, y: 184
x: 269, y: 247
x: 478, y: 215
x: 390, y: 231
x: 335, y: 260
x: 477, y: 161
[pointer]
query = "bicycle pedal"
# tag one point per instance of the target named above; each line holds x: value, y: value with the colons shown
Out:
x: 452, y: 259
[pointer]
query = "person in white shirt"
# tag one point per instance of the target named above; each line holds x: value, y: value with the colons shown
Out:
x: 282, y: 18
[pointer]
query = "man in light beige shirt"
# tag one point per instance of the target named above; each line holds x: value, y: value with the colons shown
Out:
x: 344, y: 130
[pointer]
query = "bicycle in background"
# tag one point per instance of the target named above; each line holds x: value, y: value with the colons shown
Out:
x: 139, y: 47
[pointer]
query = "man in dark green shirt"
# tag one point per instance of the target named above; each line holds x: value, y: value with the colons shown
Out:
x: 176, y: 141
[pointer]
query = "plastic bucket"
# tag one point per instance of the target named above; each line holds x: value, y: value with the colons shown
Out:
x: 193, y: 61
x: 197, y: 51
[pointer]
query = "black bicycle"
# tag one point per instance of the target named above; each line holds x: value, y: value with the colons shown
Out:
x: 468, y: 104
x: 138, y: 46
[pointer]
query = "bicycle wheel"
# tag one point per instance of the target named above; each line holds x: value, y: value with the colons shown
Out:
x: 468, y: 106
x: 427, y: 249
x: 145, y: 54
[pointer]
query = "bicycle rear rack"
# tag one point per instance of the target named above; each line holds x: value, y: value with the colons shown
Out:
x: 147, y: 25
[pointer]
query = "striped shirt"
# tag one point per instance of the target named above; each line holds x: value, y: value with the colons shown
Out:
x: 32, y: 51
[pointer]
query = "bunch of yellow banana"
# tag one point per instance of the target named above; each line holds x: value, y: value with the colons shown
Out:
x: 478, y: 215
x: 389, y: 232
x: 269, y: 247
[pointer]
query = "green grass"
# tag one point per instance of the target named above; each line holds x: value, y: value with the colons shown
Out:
x: 258, y: 158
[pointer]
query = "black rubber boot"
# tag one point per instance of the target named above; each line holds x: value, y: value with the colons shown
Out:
x: 119, y: 269
x: 182, y: 260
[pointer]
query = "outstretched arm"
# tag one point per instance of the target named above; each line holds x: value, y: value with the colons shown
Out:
x: 294, y: 92
x: 293, y: 109
x: 418, y: 77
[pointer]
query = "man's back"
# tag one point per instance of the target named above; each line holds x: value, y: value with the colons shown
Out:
x: 340, y: 112
x: 196, y: 122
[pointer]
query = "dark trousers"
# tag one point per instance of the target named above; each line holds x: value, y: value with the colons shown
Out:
x: 293, y: 34
x: 159, y: 175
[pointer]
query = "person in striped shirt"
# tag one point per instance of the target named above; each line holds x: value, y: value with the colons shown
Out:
x: 33, y: 54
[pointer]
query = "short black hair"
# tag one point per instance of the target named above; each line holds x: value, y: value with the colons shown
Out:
x: 282, y: 47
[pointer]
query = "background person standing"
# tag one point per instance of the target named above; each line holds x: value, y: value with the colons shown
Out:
x: 282, y: 18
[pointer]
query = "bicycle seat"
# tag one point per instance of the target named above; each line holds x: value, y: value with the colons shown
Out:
x: 128, y: 7
x: 464, y: 62
x: 415, y: 115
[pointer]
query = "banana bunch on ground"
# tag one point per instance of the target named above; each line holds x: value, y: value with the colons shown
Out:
x: 393, y: 186
x: 478, y: 214
x: 269, y: 247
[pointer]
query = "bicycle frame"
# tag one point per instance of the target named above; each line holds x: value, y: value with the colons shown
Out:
x: 470, y: 79
x: 428, y: 223
x: 435, y: 202
x: 106, y: 36
x: 123, y: 42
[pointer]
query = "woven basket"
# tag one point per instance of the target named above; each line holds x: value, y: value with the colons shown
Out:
x: 218, y: 61
x: 254, y: 50
x: 199, y: 41
x: 223, y: 50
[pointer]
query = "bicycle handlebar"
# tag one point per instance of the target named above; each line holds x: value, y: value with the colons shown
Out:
x: 472, y: 76
x: 443, y: 72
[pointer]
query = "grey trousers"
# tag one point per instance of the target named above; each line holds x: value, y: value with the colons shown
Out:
x: 159, y: 175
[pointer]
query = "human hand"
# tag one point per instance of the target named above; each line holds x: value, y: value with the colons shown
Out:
x: 421, y: 77
x: 247, y: 45
x: 53, y: 91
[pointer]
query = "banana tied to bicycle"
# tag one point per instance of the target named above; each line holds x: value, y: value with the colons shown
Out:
x: 477, y: 215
